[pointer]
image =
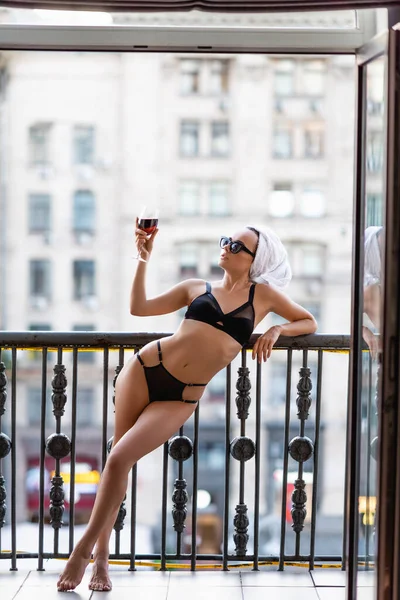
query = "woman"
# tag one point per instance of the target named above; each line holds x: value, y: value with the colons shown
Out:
x: 159, y: 388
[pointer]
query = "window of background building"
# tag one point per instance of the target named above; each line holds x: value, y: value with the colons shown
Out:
x: 374, y: 151
x: 218, y: 197
x: 219, y: 77
x: 85, y: 406
x: 211, y: 455
x: 281, y: 200
x: 374, y: 210
x: 39, y: 144
x: 85, y: 356
x: 277, y: 383
x: 84, y: 211
x: 83, y: 145
x: 220, y: 144
x: 312, y: 202
x: 188, y: 260
x: 312, y: 264
x: 189, y: 198
x: 283, y: 142
x: 190, y: 76
x: 313, y: 80
x: 284, y: 77
x: 39, y: 213
x: 40, y: 278
x: 189, y: 138
x: 34, y: 405
x: 314, y: 141
x: 84, y: 279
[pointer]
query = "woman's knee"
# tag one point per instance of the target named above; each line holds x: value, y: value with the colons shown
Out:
x: 118, y: 463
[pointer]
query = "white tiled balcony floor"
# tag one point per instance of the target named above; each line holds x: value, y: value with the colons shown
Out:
x: 292, y: 584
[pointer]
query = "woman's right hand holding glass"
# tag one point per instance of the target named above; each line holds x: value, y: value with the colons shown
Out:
x: 144, y: 242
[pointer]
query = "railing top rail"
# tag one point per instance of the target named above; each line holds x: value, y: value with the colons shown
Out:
x: 110, y: 339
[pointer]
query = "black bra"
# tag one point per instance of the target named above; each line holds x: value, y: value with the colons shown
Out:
x: 238, y: 323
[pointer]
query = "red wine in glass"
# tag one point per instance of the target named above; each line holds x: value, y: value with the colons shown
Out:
x: 148, y: 225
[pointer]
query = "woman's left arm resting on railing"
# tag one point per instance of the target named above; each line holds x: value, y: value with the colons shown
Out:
x: 300, y: 321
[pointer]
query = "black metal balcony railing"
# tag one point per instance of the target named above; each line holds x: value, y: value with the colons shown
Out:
x: 236, y: 523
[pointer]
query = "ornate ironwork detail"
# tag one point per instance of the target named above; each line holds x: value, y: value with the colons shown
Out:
x: 180, y: 499
x: 59, y: 385
x: 242, y: 448
x: 3, y: 385
x: 241, y: 523
x: 3, y: 496
x: 118, y: 370
x: 5, y: 445
x: 243, y: 386
x: 180, y: 448
x: 58, y: 445
x: 301, y: 448
x: 56, y: 502
x: 299, y: 499
x: 119, y: 521
x: 304, y: 388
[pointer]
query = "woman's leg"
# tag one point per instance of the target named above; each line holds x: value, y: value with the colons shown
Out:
x: 127, y: 412
x: 157, y: 422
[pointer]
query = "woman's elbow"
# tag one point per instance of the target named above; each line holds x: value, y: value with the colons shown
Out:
x: 313, y: 325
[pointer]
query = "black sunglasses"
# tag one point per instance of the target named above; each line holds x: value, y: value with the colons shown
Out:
x: 234, y: 247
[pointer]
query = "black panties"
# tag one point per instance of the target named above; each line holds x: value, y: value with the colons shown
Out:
x: 162, y: 385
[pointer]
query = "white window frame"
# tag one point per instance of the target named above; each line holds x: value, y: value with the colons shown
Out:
x: 207, y: 39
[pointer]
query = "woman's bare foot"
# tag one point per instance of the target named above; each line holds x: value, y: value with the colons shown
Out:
x: 100, y: 581
x: 73, y: 572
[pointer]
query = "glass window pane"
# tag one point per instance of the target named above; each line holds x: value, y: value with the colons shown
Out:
x: 85, y: 406
x: 190, y: 76
x: 284, y: 77
x: 219, y: 198
x: 313, y: 260
x: 313, y: 141
x: 83, y: 144
x: 39, y: 213
x: 189, y: 198
x: 220, y: 138
x: 188, y: 260
x: 374, y: 151
x: 84, y: 211
x: 219, y: 77
x: 84, y: 279
x: 283, y: 142
x: 281, y: 200
x: 85, y: 356
x: 312, y: 203
x: 39, y: 144
x: 374, y: 210
x: 313, y: 80
x: 39, y: 272
x: 189, y: 138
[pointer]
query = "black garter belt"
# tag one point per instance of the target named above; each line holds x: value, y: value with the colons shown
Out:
x: 162, y: 384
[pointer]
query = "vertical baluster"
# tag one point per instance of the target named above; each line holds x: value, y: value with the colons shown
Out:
x: 164, y: 508
x: 180, y: 448
x: 257, y: 467
x: 73, y: 449
x: 5, y: 445
x: 318, y: 403
x: 227, y: 466
x: 119, y: 521
x: 13, y: 460
x: 285, y: 459
x: 242, y: 449
x: 58, y: 446
x: 301, y: 449
x: 43, y: 408
x: 195, y: 487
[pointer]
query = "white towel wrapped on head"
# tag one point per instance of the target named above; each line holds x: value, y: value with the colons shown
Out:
x: 271, y: 264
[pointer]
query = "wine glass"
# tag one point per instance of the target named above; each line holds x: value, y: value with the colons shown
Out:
x: 148, y: 222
